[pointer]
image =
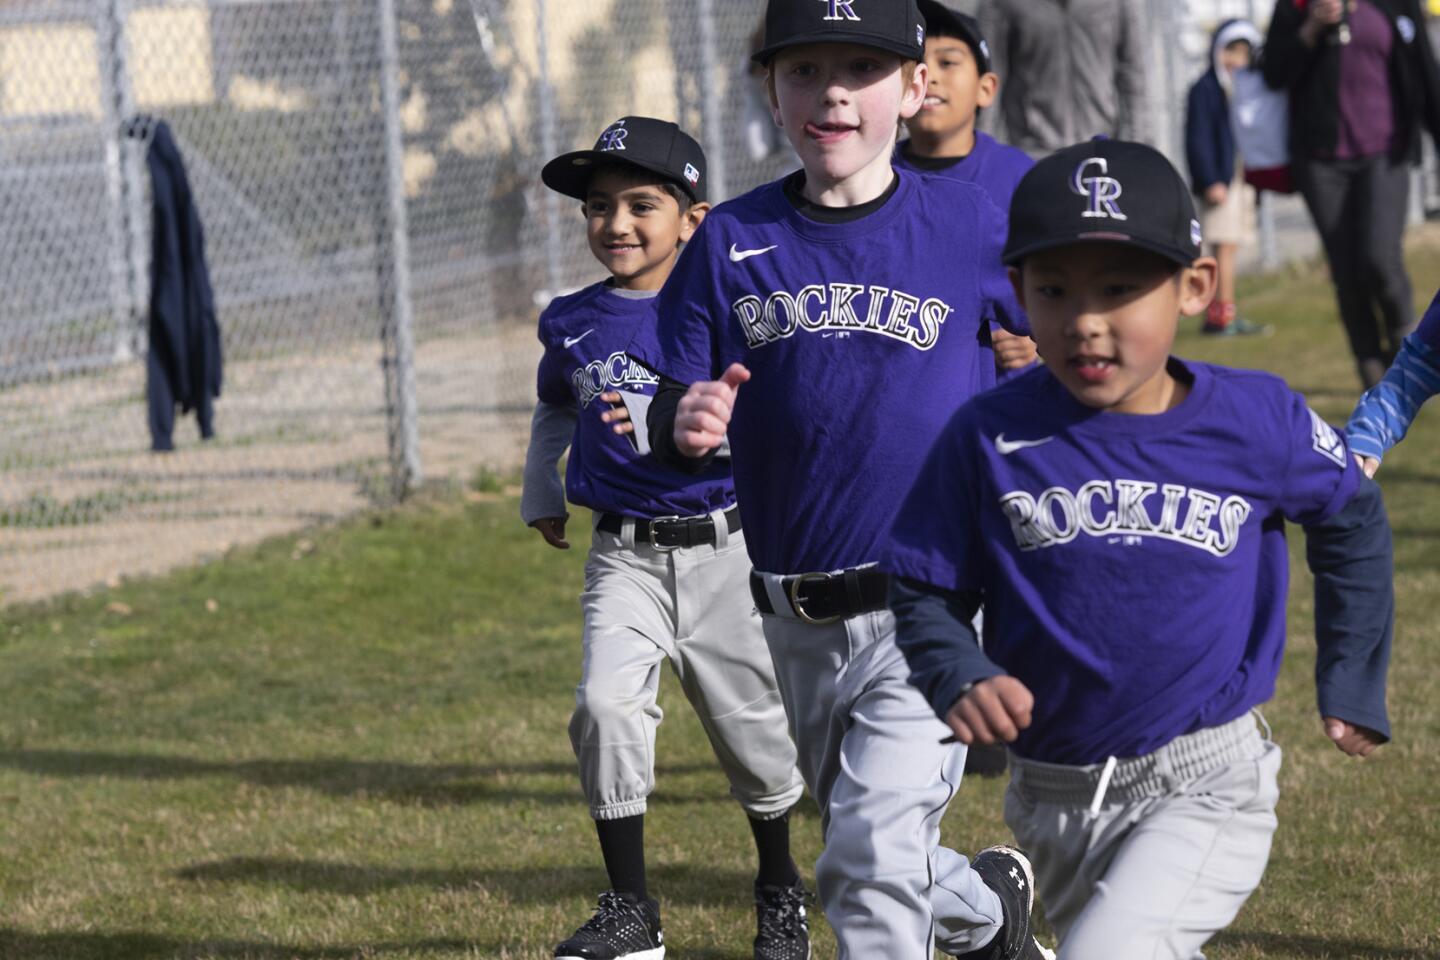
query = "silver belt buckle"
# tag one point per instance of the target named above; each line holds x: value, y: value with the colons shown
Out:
x: 798, y: 606
x: 656, y: 520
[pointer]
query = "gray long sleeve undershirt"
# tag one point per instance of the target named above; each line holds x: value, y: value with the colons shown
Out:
x: 551, y: 429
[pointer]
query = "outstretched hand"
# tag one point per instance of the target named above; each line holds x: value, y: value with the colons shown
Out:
x: 703, y: 415
x: 1368, y: 464
x: 1351, y: 739
x: 994, y: 710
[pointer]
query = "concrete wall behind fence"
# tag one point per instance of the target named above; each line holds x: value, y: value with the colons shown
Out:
x: 378, y: 241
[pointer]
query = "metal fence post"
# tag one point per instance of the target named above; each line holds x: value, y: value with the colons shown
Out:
x: 119, y: 215
x: 548, y: 150
x: 396, y: 336
x: 710, y: 116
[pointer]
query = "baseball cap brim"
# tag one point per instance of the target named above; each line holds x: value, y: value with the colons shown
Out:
x: 1172, y: 253
x: 897, y: 47
x: 570, y: 173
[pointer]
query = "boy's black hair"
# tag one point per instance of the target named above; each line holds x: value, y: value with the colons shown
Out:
x: 639, y: 177
x: 943, y: 21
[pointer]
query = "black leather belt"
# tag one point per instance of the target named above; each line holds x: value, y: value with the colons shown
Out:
x: 670, y: 533
x: 826, y: 597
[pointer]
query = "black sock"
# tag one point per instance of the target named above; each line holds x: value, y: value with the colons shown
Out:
x: 772, y: 843
x: 622, y: 844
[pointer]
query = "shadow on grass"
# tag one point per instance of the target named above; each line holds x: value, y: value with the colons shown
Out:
x: 1300, y: 945
x: 424, y: 784
x: 671, y: 883
x: 140, y: 945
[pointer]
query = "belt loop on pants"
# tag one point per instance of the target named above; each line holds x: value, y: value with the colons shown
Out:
x: 671, y: 533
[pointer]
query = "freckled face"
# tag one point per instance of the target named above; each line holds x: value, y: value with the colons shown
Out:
x: 840, y: 104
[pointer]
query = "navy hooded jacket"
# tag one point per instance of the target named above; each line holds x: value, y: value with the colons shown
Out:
x: 184, y: 334
x: 1209, y: 137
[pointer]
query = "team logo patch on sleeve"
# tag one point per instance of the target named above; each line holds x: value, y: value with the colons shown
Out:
x: 1326, y: 440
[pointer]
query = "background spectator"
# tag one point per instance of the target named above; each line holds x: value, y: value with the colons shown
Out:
x: 1073, y: 69
x: 1362, y: 79
x: 1216, y: 170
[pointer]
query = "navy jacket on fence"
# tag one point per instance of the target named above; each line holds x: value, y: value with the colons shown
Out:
x: 185, y: 361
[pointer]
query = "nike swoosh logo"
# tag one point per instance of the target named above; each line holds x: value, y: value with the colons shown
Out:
x: 1007, y: 447
x: 571, y: 341
x: 737, y: 255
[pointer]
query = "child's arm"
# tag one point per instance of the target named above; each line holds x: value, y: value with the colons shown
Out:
x: 1385, y: 412
x: 687, y: 425
x: 973, y: 696
x: 1351, y: 557
x: 542, y: 498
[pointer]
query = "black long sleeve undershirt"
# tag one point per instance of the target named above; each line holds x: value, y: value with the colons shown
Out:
x: 660, y: 423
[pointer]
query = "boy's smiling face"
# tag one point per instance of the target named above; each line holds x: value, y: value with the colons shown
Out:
x: 635, y: 228
x: 1104, y: 318
x: 956, y: 89
x: 839, y: 104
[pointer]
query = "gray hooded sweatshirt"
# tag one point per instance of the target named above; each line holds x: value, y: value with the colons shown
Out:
x: 1069, y: 70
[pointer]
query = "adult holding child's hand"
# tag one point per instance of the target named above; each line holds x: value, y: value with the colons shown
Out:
x: 1363, y: 84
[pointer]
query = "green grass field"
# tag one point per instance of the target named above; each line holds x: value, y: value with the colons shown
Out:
x: 352, y: 743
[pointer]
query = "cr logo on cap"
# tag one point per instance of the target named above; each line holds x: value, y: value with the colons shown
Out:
x: 1101, y: 191
x: 838, y: 7
x: 614, y: 138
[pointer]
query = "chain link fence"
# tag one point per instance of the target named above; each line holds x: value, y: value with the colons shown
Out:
x: 378, y: 241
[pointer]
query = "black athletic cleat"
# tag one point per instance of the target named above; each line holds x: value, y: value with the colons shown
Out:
x: 1007, y: 871
x: 782, y: 932
x: 624, y: 926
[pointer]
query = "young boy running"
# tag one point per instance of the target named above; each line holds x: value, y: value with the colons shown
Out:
x: 1121, y: 514
x: 852, y: 297
x: 666, y: 575
x: 944, y: 139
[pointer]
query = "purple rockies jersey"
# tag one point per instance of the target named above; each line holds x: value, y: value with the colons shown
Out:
x: 586, y: 335
x: 995, y: 166
x: 1134, y: 567
x: 862, y: 339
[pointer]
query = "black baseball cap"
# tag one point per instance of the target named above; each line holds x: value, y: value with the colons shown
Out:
x: 658, y: 146
x: 1107, y: 190
x: 893, y: 25
x: 942, y: 21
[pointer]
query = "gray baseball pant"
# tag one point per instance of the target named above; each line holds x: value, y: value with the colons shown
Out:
x: 1154, y: 864
x: 692, y: 607
x: 870, y: 751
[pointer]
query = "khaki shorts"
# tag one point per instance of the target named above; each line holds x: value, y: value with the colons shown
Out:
x: 1232, y: 222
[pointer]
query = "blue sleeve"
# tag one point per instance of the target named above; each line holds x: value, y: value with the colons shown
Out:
x: 936, y: 535
x: 1384, y: 414
x: 1202, y: 139
x: 551, y: 384
x: 1320, y: 477
x: 682, y: 344
x: 1351, y: 557
x: 933, y: 629
x: 996, y: 291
